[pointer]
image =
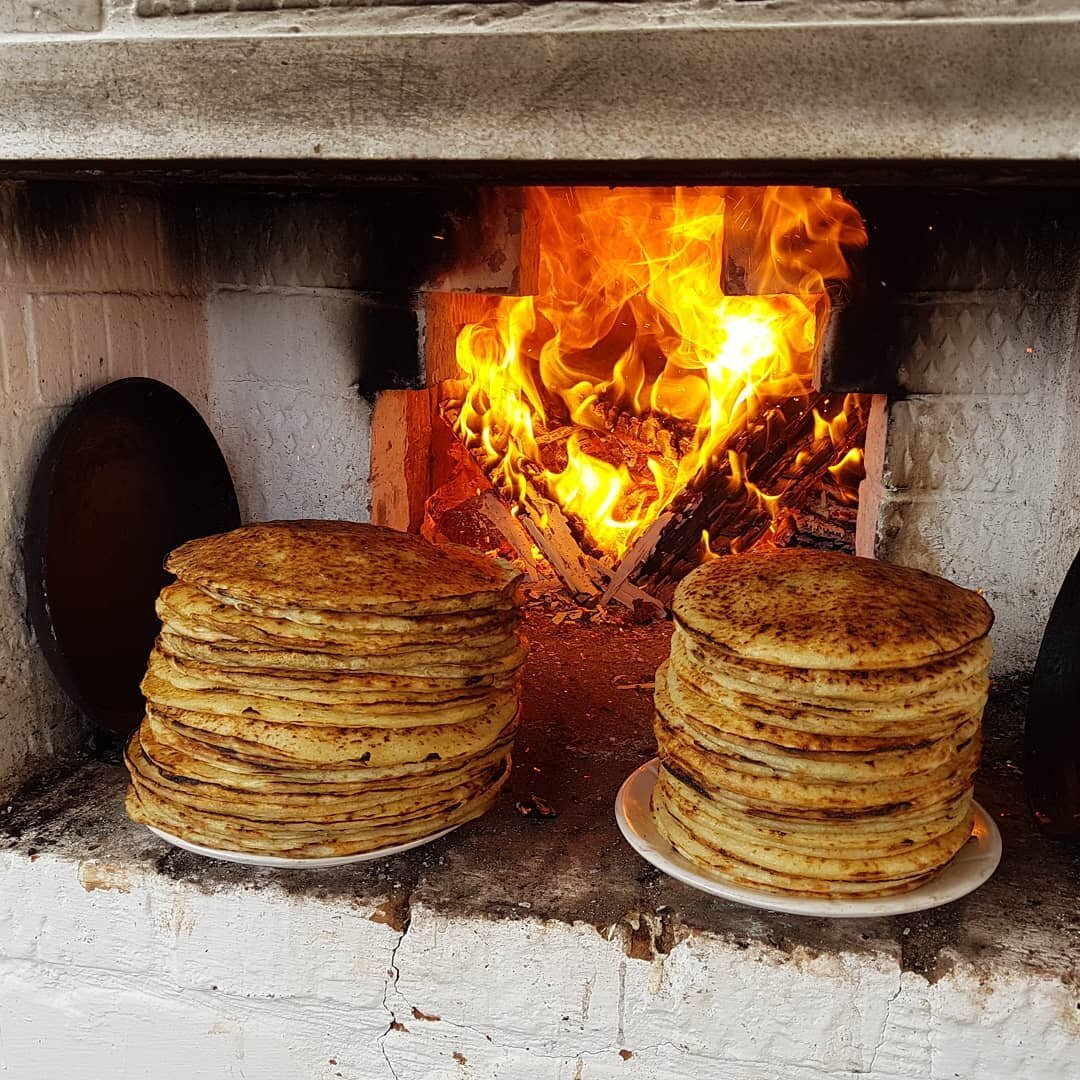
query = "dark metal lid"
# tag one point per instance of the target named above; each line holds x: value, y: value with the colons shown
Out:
x: 131, y: 473
x: 1052, y: 733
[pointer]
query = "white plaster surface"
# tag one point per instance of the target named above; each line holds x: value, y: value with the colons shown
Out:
x: 979, y: 80
x: 285, y: 401
x: 114, y: 971
x: 973, y: 475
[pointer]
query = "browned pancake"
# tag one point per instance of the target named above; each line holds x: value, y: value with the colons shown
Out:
x: 817, y: 609
x: 341, y: 566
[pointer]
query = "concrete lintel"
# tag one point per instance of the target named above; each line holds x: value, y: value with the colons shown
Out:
x: 720, y: 90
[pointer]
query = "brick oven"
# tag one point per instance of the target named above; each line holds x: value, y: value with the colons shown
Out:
x: 288, y: 211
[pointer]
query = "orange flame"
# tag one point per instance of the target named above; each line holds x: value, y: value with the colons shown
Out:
x: 632, y: 369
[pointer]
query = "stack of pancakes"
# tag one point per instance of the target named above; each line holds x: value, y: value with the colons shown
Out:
x: 324, y: 688
x: 819, y: 722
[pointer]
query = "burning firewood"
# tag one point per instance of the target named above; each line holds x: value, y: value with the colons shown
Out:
x: 642, y: 398
x: 714, y: 510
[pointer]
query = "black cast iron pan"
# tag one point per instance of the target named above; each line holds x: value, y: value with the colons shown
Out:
x: 1052, y: 733
x: 132, y: 472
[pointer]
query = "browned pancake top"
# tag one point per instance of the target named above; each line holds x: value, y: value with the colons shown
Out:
x: 816, y: 609
x: 339, y: 566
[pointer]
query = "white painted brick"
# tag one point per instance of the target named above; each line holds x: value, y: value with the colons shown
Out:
x: 157, y: 977
x: 379, y: 243
x: 945, y: 244
x: 1006, y: 547
x: 293, y: 427
x: 973, y: 477
x: 15, y: 373
x: 57, y: 344
x: 1000, y: 343
x: 279, y: 242
x: 83, y: 340
x: 36, y: 721
x: 82, y: 237
x: 966, y: 444
x: 69, y: 346
x: 163, y: 337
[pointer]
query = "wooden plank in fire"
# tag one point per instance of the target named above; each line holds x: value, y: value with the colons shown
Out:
x: 621, y: 591
x: 545, y: 522
x: 587, y: 578
x: 496, y: 511
x: 639, y: 551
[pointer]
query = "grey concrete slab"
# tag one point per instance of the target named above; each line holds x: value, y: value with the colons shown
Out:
x: 570, y: 85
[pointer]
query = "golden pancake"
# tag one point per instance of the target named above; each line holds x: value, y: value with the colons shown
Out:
x: 904, y: 862
x: 791, y: 836
x: 818, y: 609
x: 243, y: 835
x: 321, y: 692
x: 193, y: 612
x: 382, y: 715
x: 251, y: 677
x: 313, y: 806
x: 914, y: 717
x: 256, y: 762
x: 711, y: 770
x: 815, y: 765
x: 739, y: 675
x: 325, y: 744
x: 341, y: 566
x: 184, y: 761
x: 444, y: 664
x: 691, y: 703
x: 326, y: 688
x: 849, y: 881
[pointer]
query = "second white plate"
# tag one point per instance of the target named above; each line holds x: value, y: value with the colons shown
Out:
x: 971, y: 866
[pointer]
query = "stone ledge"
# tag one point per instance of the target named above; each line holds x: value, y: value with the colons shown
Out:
x: 516, y: 947
x: 614, y: 85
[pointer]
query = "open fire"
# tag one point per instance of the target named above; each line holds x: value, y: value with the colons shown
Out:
x: 663, y: 372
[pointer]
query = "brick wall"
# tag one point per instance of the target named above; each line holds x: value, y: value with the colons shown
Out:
x: 91, y: 290
x: 257, y: 325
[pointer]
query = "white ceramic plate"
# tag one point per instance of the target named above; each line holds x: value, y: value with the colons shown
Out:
x: 276, y: 861
x: 972, y: 865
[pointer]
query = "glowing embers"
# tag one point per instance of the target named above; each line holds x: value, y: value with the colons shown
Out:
x: 672, y: 339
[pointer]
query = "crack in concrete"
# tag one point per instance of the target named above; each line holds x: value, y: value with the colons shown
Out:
x: 885, y: 1023
x: 540, y: 1055
x: 390, y: 982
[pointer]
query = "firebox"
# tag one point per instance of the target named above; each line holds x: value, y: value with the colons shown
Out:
x: 607, y: 290
x: 654, y: 400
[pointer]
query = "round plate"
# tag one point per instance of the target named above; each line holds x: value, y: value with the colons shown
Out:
x: 970, y: 867
x: 247, y: 859
x: 131, y: 472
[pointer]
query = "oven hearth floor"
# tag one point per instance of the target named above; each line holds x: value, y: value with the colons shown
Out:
x: 526, y: 945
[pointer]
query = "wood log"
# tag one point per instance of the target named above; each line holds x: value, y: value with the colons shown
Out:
x: 639, y: 551
x: 494, y: 508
